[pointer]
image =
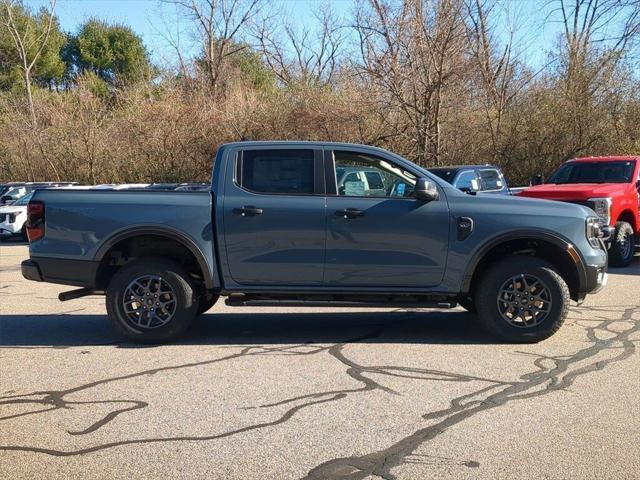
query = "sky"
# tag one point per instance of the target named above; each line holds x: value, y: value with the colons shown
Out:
x: 152, y: 19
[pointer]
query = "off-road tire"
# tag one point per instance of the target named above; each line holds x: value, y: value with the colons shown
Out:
x: 206, y: 304
x: 186, y: 306
x: 487, y: 294
x: 622, y: 245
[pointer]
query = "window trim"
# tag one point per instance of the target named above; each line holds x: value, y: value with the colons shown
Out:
x: 318, y: 173
x: 332, y: 180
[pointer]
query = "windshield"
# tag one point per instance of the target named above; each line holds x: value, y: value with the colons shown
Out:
x: 24, y: 200
x: 594, y: 172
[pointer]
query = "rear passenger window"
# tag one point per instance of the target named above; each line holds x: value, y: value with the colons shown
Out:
x: 491, y: 180
x: 464, y: 180
x: 277, y: 171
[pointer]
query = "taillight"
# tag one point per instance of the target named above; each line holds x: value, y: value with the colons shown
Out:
x: 35, y: 220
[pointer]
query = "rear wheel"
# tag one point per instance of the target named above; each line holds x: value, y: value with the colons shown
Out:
x: 152, y: 300
x: 522, y: 299
x: 622, y: 245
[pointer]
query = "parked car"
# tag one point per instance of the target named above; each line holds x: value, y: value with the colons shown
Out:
x: 13, y: 218
x: 12, y: 194
x: 474, y: 178
x: 275, y: 229
x: 610, y: 186
x: 15, y: 190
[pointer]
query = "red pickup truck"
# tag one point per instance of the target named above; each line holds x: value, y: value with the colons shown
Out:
x: 608, y: 185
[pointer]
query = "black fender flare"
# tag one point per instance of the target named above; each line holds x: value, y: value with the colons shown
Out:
x: 160, y: 231
x: 556, y: 240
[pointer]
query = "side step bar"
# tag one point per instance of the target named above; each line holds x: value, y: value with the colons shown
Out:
x: 78, y: 293
x: 241, y: 300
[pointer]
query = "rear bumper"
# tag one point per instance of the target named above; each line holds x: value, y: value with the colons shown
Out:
x: 30, y: 271
x: 81, y: 273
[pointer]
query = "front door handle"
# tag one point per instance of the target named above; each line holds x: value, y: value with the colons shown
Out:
x: 350, y: 213
x: 248, y: 211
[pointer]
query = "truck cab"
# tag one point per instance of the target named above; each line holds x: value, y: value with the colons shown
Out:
x: 610, y: 186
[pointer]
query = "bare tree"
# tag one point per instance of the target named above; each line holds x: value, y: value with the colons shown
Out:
x: 412, y: 53
x: 597, y: 35
x: 496, y: 64
x: 219, y: 24
x: 29, y: 45
x: 305, y: 55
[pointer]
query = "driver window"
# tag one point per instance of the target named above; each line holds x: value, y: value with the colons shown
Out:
x: 359, y: 175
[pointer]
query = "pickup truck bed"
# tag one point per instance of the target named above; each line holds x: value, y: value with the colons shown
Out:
x: 84, y: 226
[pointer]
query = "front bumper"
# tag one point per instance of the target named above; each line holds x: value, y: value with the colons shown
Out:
x: 596, y: 278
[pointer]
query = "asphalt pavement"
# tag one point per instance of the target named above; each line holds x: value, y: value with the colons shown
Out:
x: 293, y: 393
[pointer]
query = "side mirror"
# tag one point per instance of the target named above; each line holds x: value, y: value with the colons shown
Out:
x: 426, y: 190
x: 537, y: 180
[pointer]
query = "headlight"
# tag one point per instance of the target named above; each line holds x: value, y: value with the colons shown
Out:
x: 602, y: 206
x: 594, y: 232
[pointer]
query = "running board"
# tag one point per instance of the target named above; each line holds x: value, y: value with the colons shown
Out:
x: 78, y: 293
x: 240, y: 300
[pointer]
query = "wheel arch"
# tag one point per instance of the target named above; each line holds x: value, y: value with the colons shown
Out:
x: 628, y: 216
x: 161, y: 232
x: 555, y: 249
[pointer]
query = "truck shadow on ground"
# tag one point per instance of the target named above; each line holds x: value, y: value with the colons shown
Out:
x: 427, y: 327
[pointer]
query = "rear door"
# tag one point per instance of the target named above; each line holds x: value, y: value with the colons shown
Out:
x: 381, y: 237
x: 274, y: 217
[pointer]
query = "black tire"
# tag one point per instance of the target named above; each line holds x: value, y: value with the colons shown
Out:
x: 489, y: 296
x: 206, y: 304
x: 622, y: 245
x: 175, y: 279
x: 467, y: 303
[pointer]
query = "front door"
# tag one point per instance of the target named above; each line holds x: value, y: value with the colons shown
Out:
x: 378, y: 234
x: 274, y: 217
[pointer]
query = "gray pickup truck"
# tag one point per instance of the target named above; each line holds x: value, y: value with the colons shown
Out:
x: 278, y: 228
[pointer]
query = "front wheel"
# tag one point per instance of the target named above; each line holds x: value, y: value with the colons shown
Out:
x: 622, y: 245
x: 152, y: 300
x: 522, y: 300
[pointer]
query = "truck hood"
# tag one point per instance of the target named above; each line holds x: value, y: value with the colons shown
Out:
x: 574, y: 191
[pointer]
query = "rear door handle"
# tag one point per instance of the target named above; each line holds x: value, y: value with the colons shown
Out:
x: 350, y: 213
x: 248, y: 211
